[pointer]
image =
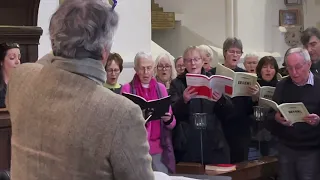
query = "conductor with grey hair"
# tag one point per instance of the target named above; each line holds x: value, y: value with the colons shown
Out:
x: 65, y: 124
x: 299, y: 148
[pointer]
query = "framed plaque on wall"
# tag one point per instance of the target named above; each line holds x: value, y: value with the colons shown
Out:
x: 292, y: 2
x: 290, y: 17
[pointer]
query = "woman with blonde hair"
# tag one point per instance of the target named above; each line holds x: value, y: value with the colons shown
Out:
x: 186, y: 138
x: 209, y: 58
x: 165, y: 70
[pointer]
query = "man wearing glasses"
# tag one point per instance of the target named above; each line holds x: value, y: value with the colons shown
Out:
x: 299, y: 143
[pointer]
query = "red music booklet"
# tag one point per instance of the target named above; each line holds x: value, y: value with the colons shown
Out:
x: 233, y: 87
x: 206, y: 85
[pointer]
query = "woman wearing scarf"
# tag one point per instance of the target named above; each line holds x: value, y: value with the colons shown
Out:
x: 159, y: 132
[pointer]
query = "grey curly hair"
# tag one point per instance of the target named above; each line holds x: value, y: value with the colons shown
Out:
x: 82, y: 25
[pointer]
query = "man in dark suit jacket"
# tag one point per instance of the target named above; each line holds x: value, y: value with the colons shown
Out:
x: 310, y: 39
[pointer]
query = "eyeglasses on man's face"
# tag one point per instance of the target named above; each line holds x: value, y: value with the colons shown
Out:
x: 145, y: 69
x: 297, y: 67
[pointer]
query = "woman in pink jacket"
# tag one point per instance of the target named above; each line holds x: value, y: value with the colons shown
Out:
x: 159, y: 132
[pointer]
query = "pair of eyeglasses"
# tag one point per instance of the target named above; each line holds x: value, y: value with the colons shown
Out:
x: 146, y: 69
x: 163, y: 67
x: 296, y: 67
x: 113, y: 71
x: 234, y: 52
x: 194, y: 60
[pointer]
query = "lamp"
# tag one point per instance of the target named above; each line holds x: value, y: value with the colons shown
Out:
x: 260, y: 115
x: 200, y: 123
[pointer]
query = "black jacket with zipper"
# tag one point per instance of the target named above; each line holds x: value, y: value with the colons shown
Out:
x: 186, y: 138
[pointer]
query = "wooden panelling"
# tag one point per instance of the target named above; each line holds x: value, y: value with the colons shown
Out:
x: 19, y: 12
x: 28, y: 38
x: 5, y: 137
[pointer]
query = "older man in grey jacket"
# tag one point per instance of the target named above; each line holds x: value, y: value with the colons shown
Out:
x: 65, y: 124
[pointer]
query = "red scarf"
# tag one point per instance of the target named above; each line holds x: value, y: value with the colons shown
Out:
x: 147, y: 93
x: 153, y: 127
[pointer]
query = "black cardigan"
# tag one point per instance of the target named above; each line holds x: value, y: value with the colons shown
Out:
x: 301, y: 135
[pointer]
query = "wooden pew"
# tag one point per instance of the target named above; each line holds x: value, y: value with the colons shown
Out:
x: 261, y: 169
x: 5, y: 139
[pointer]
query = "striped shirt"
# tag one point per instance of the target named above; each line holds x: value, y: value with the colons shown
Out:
x: 310, y: 80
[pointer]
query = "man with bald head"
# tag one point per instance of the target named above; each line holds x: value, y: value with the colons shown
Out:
x: 299, y: 147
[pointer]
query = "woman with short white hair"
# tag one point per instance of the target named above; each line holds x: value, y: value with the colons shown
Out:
x: 146, y: 86
x: 250, y: 62
x: 165, y: 70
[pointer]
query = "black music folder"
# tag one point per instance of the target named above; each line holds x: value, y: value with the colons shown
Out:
x: 153, y: 109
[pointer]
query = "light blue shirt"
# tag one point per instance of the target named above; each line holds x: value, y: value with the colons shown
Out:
x: 310, y: 80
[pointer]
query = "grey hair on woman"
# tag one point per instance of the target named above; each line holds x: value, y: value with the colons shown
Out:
x: 141, y: 55
x: 172, y: 63
x: 82, y: 26
x: 230, y: 43
x: 251, y: 55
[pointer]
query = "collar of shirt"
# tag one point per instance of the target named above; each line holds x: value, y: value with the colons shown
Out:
x: 310, y: 80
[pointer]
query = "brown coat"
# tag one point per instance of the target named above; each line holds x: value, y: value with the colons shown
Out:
x: 67, y: 127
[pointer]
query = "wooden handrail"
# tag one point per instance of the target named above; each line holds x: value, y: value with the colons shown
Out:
x: 249, y: 170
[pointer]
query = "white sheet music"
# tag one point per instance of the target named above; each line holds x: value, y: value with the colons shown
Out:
x: 163, y: 176
x: 181, y: 178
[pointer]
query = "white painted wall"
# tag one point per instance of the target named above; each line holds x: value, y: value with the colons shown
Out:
x: 255, y: 22
x: 46, y: 9
x: 311, y: 13
x: 134, y: 31
x: 206, y: 18
x: 133, y: 34
x: 178, y: 39
x: 257, y: 25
